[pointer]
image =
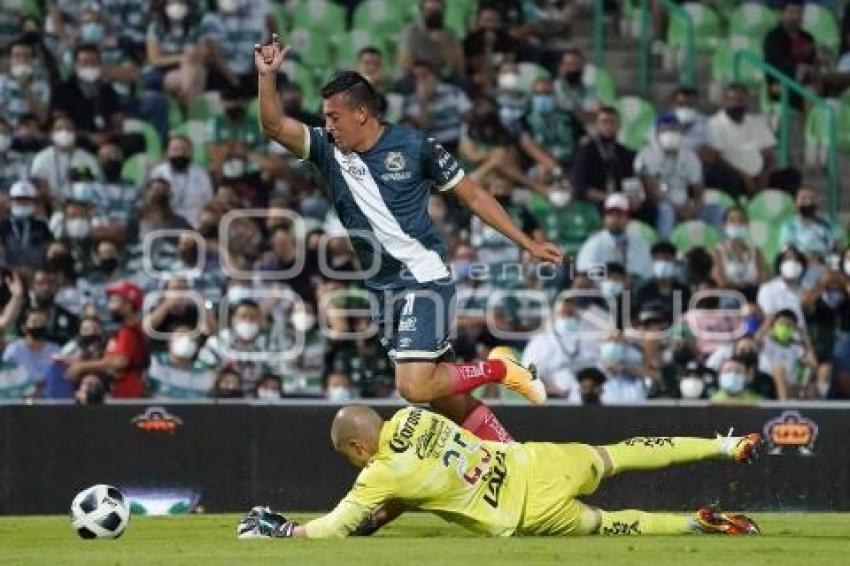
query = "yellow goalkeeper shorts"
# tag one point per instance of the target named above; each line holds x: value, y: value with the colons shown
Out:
x: 557, y: 474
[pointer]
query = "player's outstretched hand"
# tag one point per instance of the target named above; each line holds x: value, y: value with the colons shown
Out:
x: 546, y: 252
x: 262, y: 522
x: 268, y: 58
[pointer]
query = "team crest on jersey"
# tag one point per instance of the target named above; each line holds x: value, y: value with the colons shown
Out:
x: 394, y: 161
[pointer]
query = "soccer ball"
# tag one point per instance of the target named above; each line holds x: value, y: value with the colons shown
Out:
x: 100, y: 511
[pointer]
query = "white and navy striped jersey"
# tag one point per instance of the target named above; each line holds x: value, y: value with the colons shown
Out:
x: 381, y: 197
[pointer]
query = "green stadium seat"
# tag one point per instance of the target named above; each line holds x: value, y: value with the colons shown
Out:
x: 351, y: 43
x: 822, y: 24
x: 816, y: 135
x: 196, y: 130
x: 460, y: 15
x: 771, y: 205
x: 723, y: 61
x: 136, y: 168
x: 530, y: 72
x: 752, y: 20
x: 384, y: 17
x: 643, y: 230
x: 719, y: 197
x: 319, y: 16
x: 637, y: 117
x: 153, y: 144
x: 764, y: 235
x: 706, y: 28
x: 602, y: 82
x: 694, y: 234
x: 314, y: 47
x: 205, y: 107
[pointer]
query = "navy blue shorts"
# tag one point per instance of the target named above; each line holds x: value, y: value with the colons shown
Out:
x: 416, y: 323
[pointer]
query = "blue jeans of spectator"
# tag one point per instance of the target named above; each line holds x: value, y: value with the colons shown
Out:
x: 709, y: 213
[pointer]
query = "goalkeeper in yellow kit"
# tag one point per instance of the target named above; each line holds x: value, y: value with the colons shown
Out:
x: 421, y: 460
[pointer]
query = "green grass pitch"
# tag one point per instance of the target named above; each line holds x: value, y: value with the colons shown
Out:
x: 419, y: 539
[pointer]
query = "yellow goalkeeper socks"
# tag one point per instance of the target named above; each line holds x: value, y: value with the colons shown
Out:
x: 651, y: 453
x: 634, y: 522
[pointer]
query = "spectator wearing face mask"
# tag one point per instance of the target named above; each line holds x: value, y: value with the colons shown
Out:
x: 560, y: 349
x: 566, y: 221
x: 34, y: 352
x: 338, y: 387
x: 190, y: 184
x: 126, y: 355
x: 156, y: 213
x: 245, y: 344
x: 511, y: 97
x: 106, y: 270
x: 430, y: 40
x: 23, y: 237
x: 13, y: 166
x: 120, y: 196
x: 83, y: 218
x: 177, y: 373
x: 738, y: 264
x: 623, y: 382
x: 89, y: 344
x: 435, y: 106
x: 807, y: 231
x: 268, y: 389
x: 745, y: 144
x: 745, y: 350
x: 61, y: 323
x: 56, y: 163
x: 827, y: 309
x: 591, y: 383
x: 23, y: 88
x: 228, y: 384
x: 672, y: 176
x: 575, y: 89
x: 488, y: 44
x: 613, y: 244
x: 693, y: 124
x: 235, y: 143
x: 786, y: 354
x: 303, y: 374
x: 732, y: 380
x: 785, y: 291
x: 549, y: 129
x: 664, y: 288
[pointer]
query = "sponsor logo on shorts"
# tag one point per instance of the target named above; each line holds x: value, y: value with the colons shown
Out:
x: 402, y: 435
x: 407, y: 324
x: 791, y: 433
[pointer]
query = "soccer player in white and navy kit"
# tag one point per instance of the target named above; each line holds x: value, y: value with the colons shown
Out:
x: 380, y: 177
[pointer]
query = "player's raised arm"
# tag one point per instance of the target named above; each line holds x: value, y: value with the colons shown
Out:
x: 288, y: 132
x: 491, y: 212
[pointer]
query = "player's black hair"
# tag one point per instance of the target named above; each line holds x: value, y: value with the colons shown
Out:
x: 86, y: 48
x: 357, y: 91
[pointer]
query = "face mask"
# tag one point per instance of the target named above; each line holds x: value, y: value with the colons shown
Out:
x: 508, y: 81
x: 88, y: 74
x: 663, y: 269
x: 37, y: 332
x: 573, y: 77
x: 790, y: 269
x: 543, y: 103
x: 434, y: 20
x: 303, y: 321
x: 92, y: 32
x: 783, y: 333
x: 833, y: 299
x: 246, y: 330
x: 462, y: 269
x: 807, y: 210
x: 77, y: 228
x: 611, y: 288
x: 732, y: 382
x: 183, y: 347
x: 566, y: 324
x: 736, y: 113
x: 22, y: 210
x: 670, y: 141
x: 64, y: 138
x: 20, y: 70
x: 266, y: 394
x: 685, y: 114
x: 228, y: 6
x: 560, y: 199
x: 612, y: 352
x: 177, y: 12
x: 109, y: 264
x: 736, y: 231
x: 339, y: 394
x: 179, y: 163
x: 691, y: 387
x: 112, y: 169
x: 5, y: 142
x: 233, y: 168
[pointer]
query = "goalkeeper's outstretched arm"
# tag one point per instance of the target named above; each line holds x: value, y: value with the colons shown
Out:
x: 288, y: 132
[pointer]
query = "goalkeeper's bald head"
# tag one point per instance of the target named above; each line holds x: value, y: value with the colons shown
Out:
x: 355, y: 432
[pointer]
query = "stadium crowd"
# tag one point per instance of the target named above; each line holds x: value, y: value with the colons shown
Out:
x: 153, y: 243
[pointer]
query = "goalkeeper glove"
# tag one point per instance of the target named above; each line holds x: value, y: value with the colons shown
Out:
x: 262, y: 522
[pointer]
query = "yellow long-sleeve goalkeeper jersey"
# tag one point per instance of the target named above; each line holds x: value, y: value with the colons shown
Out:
x: 427, y: 462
